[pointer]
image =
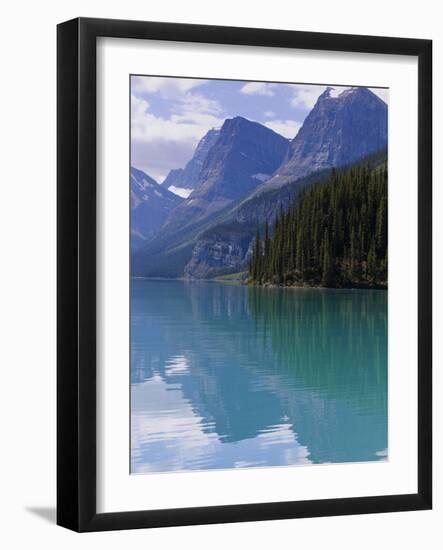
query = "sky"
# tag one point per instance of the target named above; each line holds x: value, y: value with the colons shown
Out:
x: 170, y: 115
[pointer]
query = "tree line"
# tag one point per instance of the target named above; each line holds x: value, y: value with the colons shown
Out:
x: 333, y: 235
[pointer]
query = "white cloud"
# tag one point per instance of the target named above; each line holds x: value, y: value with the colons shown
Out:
x: 159, y: 144
x: 190, y: 120
x: 168, y: 88
x: 305, y: 96
x: 195, y: 109
x: 269, y: 114
x: 382, y: 93
x: 164, y: 421
x: 287, y: 128
x: 159, y: 156
x: 257, y: 88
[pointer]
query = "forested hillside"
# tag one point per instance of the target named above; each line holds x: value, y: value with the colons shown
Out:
x: 334, y: 235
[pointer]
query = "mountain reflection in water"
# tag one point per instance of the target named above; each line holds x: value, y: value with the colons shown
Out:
x: 226, y: 376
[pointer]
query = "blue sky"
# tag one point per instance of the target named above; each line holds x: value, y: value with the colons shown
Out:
x: 170, y: 115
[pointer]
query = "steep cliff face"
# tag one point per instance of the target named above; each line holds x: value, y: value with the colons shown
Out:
x: 214, y: 257
x: 183, y: 181
x: 172, y: 178
x: 245, y: 155
x: 340, y: 129
x: 219, y: 252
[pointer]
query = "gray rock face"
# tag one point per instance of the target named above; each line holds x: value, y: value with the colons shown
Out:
x: 339, y: 130
x: 211, y: 258
x: 188, y: 177
x: 172, y: 178
x: 150, y: 206
x: 219, y: 253
x: 245, y: 154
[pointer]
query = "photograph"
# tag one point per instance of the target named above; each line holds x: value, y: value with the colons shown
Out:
x: 258, y: 274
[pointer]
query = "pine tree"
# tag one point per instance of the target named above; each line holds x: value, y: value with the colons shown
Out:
x: 353, y: 257
x: 371, y: 263
x: 327, y: 269
x: 255, y: 261
x: 266, y: 253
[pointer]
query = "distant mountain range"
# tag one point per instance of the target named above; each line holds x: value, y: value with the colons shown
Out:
x: 241, y: 175
x: 150, y: 206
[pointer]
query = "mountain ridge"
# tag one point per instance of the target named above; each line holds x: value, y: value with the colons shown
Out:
x: 150, y: 206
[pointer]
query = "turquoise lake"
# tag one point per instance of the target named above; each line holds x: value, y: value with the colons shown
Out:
x: 228, y: 376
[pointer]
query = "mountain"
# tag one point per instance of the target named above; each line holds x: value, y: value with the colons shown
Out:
x: 341, y: 128
x: 172, y: 178
x: 242, y: 158
x: 150, y: 205
x: 243, y: 184
x: 183, y: 180
x: 226, y: 245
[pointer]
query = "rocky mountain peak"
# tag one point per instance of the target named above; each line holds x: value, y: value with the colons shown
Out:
x: 343, y: 126
x: 244, y: 154
x: 243, y: 157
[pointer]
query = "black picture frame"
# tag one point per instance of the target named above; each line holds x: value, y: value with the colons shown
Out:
x: 76, y: 266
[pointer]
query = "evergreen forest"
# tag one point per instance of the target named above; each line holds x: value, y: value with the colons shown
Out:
x: 333, y: 235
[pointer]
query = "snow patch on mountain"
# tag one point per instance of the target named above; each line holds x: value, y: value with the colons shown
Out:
x: 261, y: 177
x: 182, y: 192
x: 335, y: 92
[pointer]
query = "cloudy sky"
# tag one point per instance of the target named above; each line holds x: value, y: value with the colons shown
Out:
x: 170, y: 115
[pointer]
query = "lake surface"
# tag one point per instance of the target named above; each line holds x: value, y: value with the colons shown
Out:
x: 226, y: 376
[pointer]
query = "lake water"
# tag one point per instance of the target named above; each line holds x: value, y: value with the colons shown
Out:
x: 226, y: 376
